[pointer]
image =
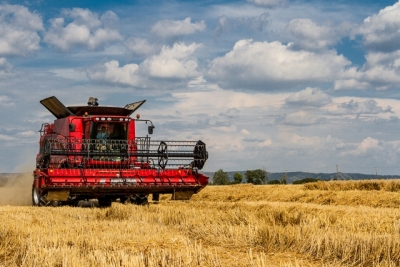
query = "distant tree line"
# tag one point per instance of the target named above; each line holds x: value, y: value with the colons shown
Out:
x: 302, y: 181
x: 307, y: 180
x: 258, y: 176
x: 283, y: 180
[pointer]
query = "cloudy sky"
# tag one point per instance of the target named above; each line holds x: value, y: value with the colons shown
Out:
x: 275, y: 84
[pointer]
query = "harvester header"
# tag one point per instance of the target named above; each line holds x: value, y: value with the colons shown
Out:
x: 92, y: 152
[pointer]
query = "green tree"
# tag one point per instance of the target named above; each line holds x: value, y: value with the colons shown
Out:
x: 220, y: 177
x: 250, y: 177
x: 237, y: 178
x: 256, y: 176
x: 262, y: 175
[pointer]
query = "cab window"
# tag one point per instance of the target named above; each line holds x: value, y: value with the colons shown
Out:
x: 112, y: 131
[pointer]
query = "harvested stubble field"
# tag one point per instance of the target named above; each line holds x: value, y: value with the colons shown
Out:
x: 342, y: 223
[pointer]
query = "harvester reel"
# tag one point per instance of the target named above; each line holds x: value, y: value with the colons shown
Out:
x: 201, y: 155
x: 162, y: 154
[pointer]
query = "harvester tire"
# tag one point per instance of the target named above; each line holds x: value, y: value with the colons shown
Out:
x: 73, y: 202
x: 139, y: 199
x: 37, y: 198
x: 104, y: 202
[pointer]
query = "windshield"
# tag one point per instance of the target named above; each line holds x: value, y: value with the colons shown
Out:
x: 112, y: 131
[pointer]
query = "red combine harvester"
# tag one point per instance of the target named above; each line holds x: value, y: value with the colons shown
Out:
x: 92, y: 152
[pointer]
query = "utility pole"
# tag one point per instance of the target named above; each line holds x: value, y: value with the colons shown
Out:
x: 376, y: 172
x: 284, y: 178
x: 337, y: 172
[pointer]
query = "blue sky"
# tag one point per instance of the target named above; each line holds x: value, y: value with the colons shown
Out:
x: 274, y: 84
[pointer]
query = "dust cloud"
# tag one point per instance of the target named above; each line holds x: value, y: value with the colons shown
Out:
x: 15, y: 189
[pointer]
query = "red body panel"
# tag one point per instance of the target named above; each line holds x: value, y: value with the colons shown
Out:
x: 134, y: 180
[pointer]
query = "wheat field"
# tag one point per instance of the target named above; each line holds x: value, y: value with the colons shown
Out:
x: 340, y: 223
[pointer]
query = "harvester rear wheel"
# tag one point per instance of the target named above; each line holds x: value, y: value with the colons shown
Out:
x: 38, y: 199
x: 139, y: 199
x: 73, y: 201
x: 104, y: 202
x: 35, y: 197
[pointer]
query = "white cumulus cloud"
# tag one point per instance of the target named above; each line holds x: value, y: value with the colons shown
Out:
x: 140, y: 46
x: 258, y: 23
x: 173, y: 62
x: 301, y: 118
x: 6, y: 137
x: 244, y: 131
x: 5, y: 68
x: 270, y: 65
x: 111, y: 72
x: 367, y: 145
x: 265, y: 143
x: 381, y: 72
x: 381, y: 31
x: 86, y: 30
x: 19, y: 30
x: 267, y: 3
x: 177, y: 28
x: 310, y: 36
x: 28, y: 134
x: 381, y: 38
x: 369, y: 106
x: 5, y: 101
x: 309, y: 97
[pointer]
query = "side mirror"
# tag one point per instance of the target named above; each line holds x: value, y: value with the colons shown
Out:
x: 71, y: 127
x: 150, y: 129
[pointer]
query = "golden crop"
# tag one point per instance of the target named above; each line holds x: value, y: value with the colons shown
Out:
x: 342, y: 223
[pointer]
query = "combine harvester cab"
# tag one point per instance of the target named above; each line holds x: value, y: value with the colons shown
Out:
x: 92, y: 152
